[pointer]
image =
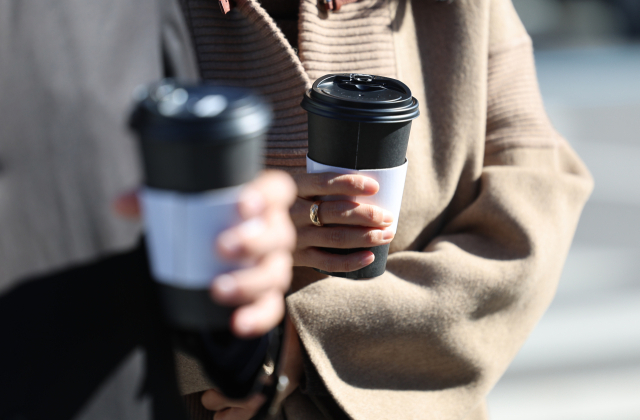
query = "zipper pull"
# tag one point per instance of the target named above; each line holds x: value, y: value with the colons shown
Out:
x: 335, y: 5
x: 225, y: 7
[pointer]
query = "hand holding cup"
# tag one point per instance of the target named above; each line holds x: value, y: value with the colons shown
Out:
x: 266, y: 236
x: 347, y: 224
x: 359, y: 124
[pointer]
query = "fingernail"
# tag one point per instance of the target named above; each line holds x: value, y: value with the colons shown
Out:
x: 251, y: 202
x: 244, y: 324
x: 387, y: 234
x: 365, y: 261
x: 387, y: 217
x: 252, y: 228
x: 371, y: 184
x: 229, y: 242
x: 225, y: 285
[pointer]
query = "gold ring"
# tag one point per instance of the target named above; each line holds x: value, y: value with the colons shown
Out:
x: 314, y: 213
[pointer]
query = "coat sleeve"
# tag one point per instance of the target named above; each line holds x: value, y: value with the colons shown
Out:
x: 432, y: 336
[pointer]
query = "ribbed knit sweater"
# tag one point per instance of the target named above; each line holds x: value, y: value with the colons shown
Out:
x: 241, y: 48
x: 285, y: 15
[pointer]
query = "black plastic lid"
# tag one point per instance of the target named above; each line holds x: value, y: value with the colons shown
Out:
x: 225, y: 113
x: 199, y: 137
x: 361, y: 98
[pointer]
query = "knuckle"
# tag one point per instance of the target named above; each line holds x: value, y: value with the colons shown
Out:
x: 339, y: 265
x: 373, y: 214
x: 307, y: 184
x: 321, y: 181
x: 337, y: 237
x: 329, y: 264
x: 371, y: 237
x: 344, y: 265
x: 335, y: 211
x: 355, y: 182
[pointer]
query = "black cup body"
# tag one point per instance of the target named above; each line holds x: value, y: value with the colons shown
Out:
x: 191, y: 164
x: 360, y: 122
x: 358, y: 145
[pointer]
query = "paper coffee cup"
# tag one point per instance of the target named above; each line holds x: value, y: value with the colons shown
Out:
x: 199, y: 145
x: 361, y: 123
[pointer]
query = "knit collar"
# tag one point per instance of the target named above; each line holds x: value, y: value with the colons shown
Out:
x: 246, y: 48
x: 333, y: 5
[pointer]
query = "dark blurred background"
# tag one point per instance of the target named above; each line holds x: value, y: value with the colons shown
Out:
x: 582, y: 362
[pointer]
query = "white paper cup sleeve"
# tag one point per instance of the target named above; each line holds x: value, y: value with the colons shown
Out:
x: 388, y: 197
x: 181, y: 232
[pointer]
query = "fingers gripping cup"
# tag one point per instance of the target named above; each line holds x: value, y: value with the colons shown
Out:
x: 360, y: 124
x: 199, y: 145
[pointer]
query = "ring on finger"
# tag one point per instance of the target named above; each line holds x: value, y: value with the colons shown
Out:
x: 314, y: 213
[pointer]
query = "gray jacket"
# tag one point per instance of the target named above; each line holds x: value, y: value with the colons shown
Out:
x: 67, y: 71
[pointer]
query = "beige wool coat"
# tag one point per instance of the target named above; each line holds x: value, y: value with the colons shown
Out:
x: 492, y: 199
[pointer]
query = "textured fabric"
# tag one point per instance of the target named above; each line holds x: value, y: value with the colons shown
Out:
x: 190, y: 375
x: 67, y: 73
x: 196, y: 410
x: 358, y: 39
x: 285, y: 15
x: 79, y: 343
x: 335, y: 5
x: 491, y: 202
x: 515, y: 112
x: 88, y: 343
x: 245, y: 48
x: 492, y: 198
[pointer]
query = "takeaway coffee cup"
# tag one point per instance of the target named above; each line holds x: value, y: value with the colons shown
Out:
x: 199, y: 145
x: 360, y: 124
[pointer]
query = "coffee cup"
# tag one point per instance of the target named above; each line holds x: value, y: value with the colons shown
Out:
x: 200, y: 144
x: 360, y: 124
